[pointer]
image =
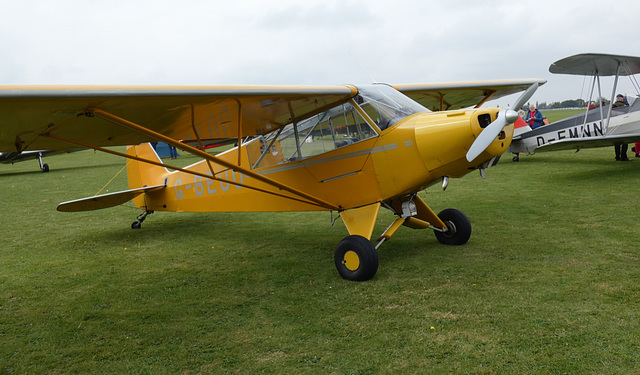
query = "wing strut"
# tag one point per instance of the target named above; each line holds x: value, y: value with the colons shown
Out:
x: 203, y: 175
x: 486, y: 98
x: 194, y: 151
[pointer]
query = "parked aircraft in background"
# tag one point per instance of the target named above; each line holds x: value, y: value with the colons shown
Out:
x: 350, y: 149
x: 11, y: 157
x: 600, y: 125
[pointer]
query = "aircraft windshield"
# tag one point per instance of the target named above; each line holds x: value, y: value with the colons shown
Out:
x: 386, y: 105
x: 338, y: 127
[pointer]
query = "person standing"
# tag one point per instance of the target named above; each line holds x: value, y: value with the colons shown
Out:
x: 621, y: 150
x: 534, y: 117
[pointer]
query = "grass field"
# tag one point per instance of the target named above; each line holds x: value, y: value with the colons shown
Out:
x: 548, y: 283
x: 559, y: 114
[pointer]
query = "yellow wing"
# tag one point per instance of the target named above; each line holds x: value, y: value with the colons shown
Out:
x: 450, y: 96
x: 29, y: 112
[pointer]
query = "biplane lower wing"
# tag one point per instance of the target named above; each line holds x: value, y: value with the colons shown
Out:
x: 105, y: 200
x: 589, y: 142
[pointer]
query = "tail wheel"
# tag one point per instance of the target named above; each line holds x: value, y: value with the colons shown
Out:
x: 356, y: 258
x: 458, y: 227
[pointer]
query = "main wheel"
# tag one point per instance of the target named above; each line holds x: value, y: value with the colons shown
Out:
x: 356, y: 258
x: 458, y: 225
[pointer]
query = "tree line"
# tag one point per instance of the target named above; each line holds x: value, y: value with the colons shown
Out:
x: 576, y: 103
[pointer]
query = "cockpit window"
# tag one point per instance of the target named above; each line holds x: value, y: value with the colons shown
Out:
x: 335, y: 128
x: 386, y: 105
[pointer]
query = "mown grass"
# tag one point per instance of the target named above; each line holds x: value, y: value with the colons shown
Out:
x: 559, y: 114
x: 546, y: 285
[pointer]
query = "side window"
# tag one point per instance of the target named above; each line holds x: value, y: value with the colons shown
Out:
x: 324, y: 132
x: 350, y: 128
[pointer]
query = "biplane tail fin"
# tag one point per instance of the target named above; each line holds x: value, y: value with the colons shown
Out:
x: 520, y: 127
x: 140, y: 174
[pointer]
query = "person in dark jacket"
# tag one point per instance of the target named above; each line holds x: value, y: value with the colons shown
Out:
x: 621, y: 150
x: 534, y: 117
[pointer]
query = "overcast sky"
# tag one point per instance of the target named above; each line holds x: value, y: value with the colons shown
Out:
x: 310, y: 42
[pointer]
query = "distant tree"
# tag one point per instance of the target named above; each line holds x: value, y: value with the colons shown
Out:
x: 563, y: 104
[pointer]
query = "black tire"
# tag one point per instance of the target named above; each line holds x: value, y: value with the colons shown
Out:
x: 356, y: 258
x: 516, y: 158
x: 459, y: 227
x: 136, y: 225
x: 45, y: 168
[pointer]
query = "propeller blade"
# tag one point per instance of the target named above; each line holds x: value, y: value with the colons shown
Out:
x: 487, y: 136
x: 524, y: 98
x: 505, y: 117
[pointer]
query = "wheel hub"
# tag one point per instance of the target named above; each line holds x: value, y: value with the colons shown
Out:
x: 351, y: 260
x: 451, y: 229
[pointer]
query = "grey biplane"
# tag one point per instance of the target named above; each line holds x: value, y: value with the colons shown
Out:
x: 600, y: 125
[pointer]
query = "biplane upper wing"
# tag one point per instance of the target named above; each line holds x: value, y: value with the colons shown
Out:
x: 28, y: 114
x: 450, y: 96
x: 597, y: 64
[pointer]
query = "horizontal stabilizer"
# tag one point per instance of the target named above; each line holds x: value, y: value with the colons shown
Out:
x: 105, y: 200
x: 589, y: 142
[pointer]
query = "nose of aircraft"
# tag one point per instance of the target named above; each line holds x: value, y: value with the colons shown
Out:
x: 505, y: 117
x: 444, y: 138
x: 489, y: 134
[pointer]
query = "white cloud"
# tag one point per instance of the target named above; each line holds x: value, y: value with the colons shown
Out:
x: 311, y: 42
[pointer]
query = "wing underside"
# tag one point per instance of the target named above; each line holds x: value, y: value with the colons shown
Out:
x: 451, y: 96
x: 29, y: 114
x: 47, y: 117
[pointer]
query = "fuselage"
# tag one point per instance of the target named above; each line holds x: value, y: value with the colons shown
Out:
x: 348, y: 163
x: 624, y: 120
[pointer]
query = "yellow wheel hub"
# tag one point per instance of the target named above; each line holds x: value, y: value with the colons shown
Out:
x: 351, y: 260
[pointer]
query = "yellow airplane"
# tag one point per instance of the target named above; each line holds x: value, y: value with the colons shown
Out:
x: 344, y: 148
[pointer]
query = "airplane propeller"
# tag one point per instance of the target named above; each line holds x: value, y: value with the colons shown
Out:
x: 505, y: 117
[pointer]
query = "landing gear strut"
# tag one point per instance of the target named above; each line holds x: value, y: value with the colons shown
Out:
x: 356, y: 258
x: 43, y: 167
x: 138, y: 223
